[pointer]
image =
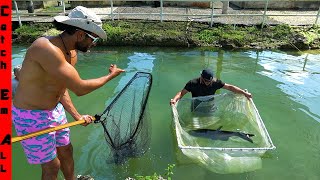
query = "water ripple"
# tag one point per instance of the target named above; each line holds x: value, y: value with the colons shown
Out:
x: 297, y: 76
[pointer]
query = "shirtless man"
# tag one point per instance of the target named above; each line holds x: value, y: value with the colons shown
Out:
x: 46, y: 74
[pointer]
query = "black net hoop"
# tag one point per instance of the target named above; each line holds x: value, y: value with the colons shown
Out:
x: 125, y: 120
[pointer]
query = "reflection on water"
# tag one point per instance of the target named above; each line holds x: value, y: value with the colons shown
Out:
x: 298, y: 75
x: 136, y: 62
x: 17, y: 56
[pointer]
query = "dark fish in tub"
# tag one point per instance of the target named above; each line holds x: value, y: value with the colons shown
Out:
x: 220, y: 135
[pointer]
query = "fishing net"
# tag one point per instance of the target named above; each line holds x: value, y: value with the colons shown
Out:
x: 223, y: 132
x: 125, y: 120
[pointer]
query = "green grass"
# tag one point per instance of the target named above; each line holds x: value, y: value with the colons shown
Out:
x: 27, y: 30
x: 187, y: 34
x: 238, y: 35
x: 281, y: 31
x: 167, y: 175
x: 50, y: 9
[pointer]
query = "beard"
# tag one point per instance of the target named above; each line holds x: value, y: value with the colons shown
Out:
x: 82, y: 47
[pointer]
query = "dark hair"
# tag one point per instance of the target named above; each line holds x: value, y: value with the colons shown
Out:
x: 64, y: 27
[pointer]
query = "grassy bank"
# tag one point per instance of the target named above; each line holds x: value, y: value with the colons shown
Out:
x: 191, y: 34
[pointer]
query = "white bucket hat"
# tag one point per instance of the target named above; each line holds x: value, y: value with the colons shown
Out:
x: 85, y: 19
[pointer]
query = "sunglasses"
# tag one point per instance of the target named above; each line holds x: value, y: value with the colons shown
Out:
x: 94, y: 39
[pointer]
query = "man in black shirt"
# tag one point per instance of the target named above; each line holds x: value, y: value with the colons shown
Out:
x: 206, y: 85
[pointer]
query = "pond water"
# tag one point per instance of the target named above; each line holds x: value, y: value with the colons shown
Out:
x: 285, y: 88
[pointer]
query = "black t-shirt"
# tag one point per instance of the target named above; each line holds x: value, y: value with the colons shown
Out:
x: 198, y: 89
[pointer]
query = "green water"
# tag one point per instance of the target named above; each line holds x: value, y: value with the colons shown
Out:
x: 285, y: 88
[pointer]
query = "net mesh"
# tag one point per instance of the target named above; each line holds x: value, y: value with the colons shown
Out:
x: 224, y: 132
x: 125, y: 120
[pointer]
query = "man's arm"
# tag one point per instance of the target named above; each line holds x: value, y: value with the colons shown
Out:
x: 67, y: 103
x: 65, y: 73
x: 178, y: 96
x: 236, y: 89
